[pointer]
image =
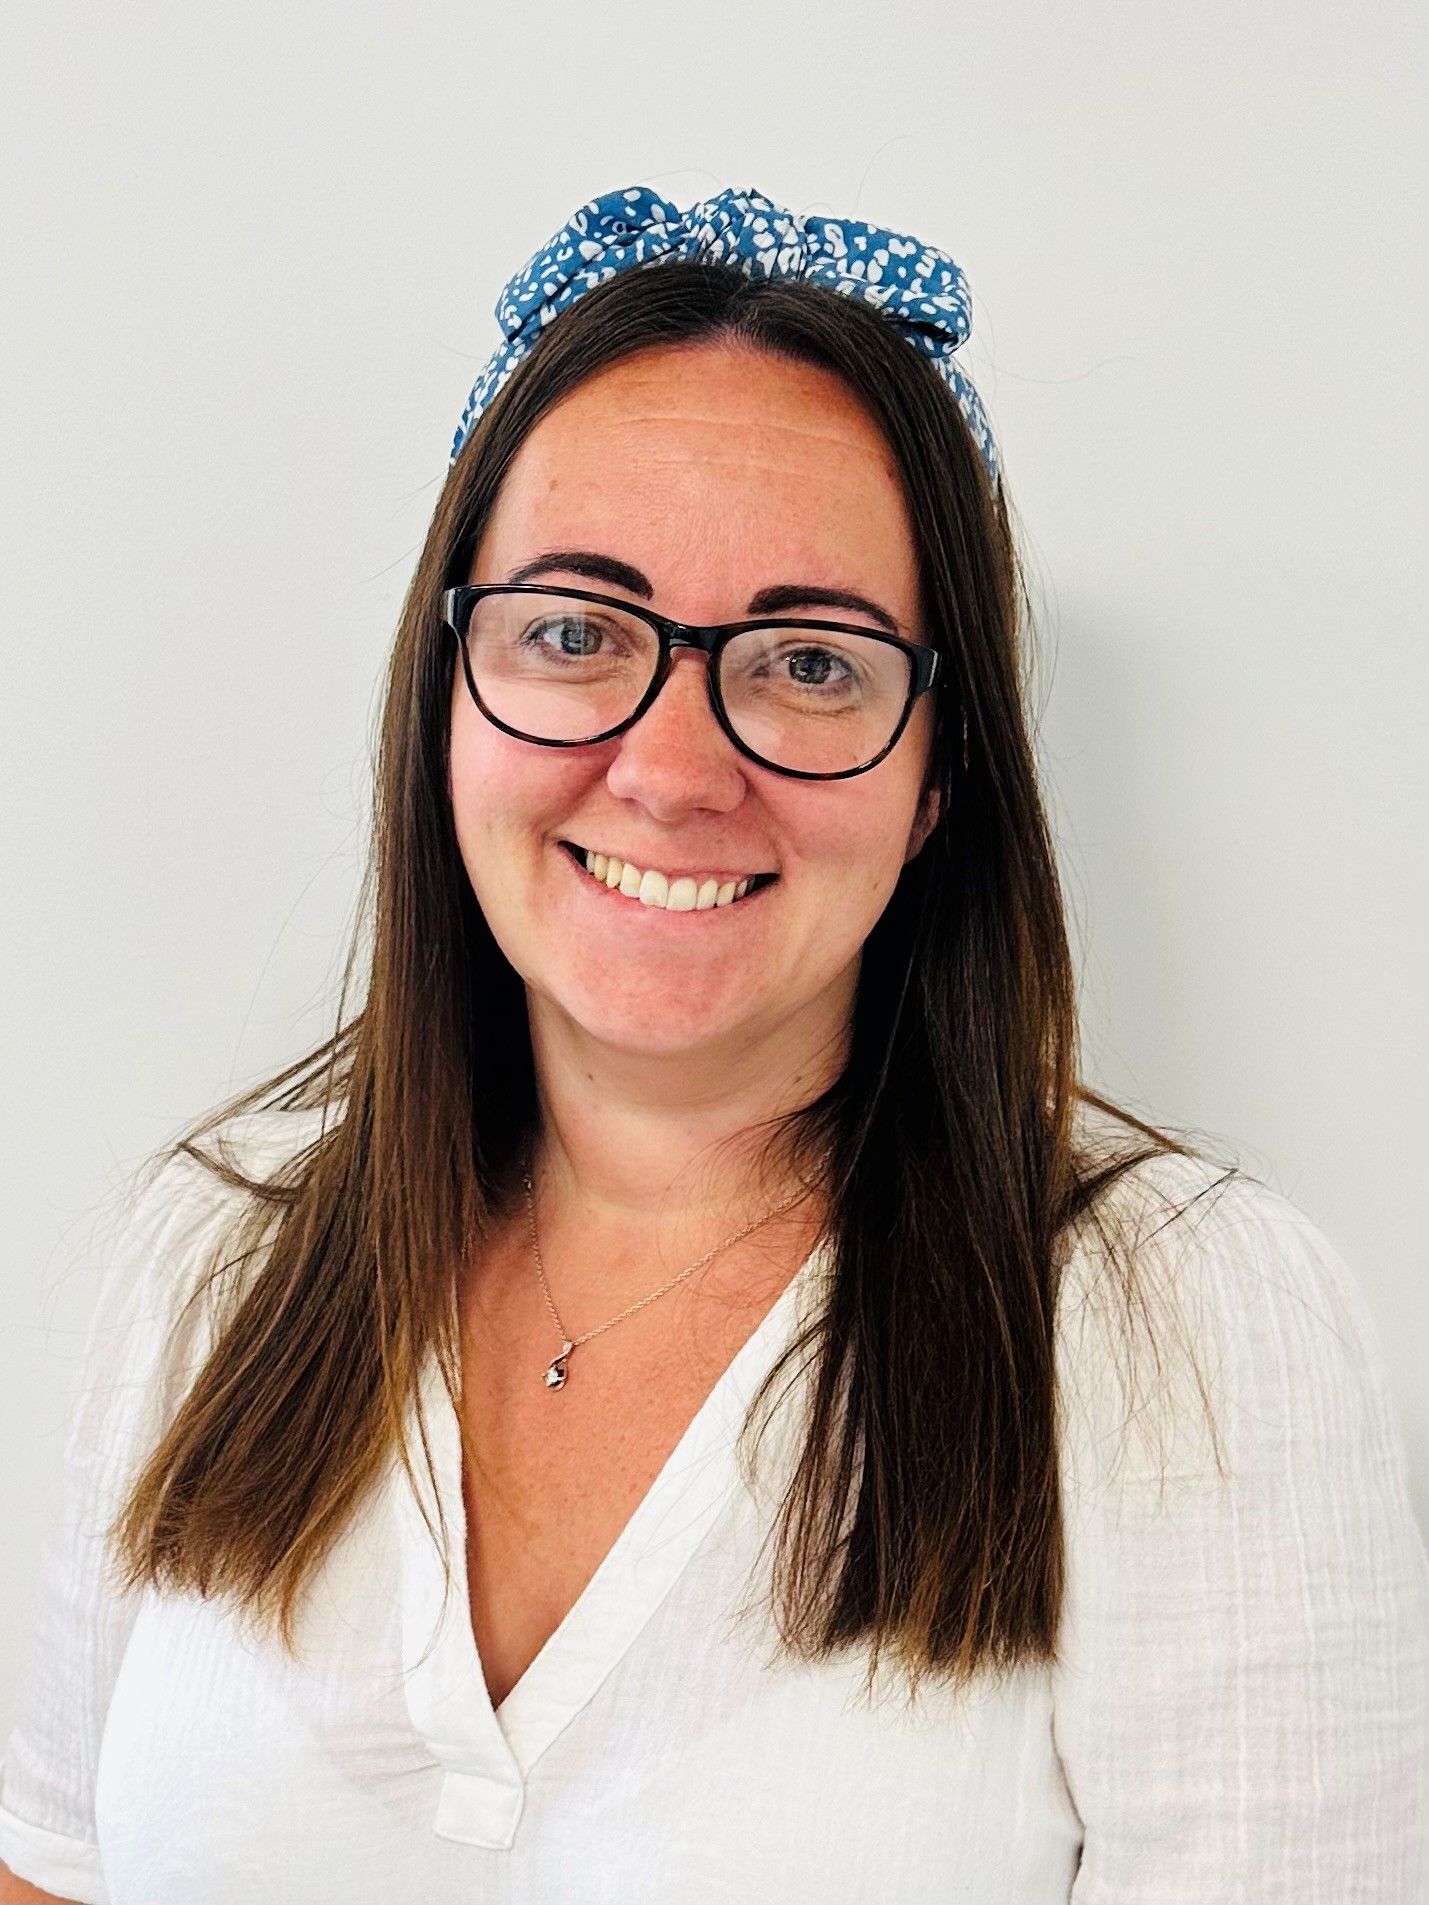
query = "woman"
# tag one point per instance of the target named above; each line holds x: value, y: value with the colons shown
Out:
x: 717, y: 1071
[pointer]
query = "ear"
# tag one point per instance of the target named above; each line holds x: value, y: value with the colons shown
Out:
x: 927, y: 819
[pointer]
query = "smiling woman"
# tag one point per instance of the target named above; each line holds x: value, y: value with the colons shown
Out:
x: 699, y: 471
x: 708, y: 1187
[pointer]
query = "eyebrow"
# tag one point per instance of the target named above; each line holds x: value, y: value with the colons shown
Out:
x: 771, y: 601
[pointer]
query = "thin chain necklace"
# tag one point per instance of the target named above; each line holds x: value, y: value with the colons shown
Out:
x: 555, y: 1372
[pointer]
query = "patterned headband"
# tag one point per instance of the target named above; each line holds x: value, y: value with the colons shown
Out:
x: 919, y: 288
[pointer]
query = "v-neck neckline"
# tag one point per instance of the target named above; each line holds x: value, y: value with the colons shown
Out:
x: 487, y: 1753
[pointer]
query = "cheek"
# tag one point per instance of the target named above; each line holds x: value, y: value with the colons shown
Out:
x: 488, y: 771
x: 860, y: 826
x: 468, y: 774
x: 484, y: 780
x: 851, y: 864
x: 506, y: 795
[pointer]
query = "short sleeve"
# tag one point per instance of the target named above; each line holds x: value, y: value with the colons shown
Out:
x: 1240, y: 1698
x: 137, y: 1350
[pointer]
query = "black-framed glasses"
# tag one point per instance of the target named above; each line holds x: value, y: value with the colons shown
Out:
x: 565, y: 667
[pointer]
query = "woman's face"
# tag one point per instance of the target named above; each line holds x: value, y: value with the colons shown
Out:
x: 715, y: 473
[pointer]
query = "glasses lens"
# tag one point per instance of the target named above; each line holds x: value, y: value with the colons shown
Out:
x: 814, y: 700
x: 561, y: 669
x: 558, y: 668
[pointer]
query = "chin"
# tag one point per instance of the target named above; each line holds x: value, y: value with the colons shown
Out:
x: 645, y: 1028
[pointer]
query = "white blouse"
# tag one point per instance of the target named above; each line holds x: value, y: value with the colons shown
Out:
x: 1238, y: 1713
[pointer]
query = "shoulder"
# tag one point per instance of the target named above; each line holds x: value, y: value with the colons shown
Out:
x: 261, y: 1143
x: 150, y: 1326
x: 1231, y: 1324
x: 179, y: 1199
x: 1242, y: 1659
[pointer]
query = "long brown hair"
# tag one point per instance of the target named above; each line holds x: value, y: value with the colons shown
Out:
x: 924, y: 1514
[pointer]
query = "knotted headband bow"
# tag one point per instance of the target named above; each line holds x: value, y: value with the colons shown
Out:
x: 918, y: 287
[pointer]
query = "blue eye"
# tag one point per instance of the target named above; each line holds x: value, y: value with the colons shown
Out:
x: 535, y: 634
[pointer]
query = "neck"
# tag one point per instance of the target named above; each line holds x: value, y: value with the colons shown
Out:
x: 647, y: 1159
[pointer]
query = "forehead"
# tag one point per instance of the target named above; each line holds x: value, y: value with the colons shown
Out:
x: 715, y: 447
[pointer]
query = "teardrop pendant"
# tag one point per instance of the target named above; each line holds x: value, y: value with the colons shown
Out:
x: 555, y: 1376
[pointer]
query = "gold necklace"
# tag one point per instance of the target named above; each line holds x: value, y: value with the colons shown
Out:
x: 554, y: 1376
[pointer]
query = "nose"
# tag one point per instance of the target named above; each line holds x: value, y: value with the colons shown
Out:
x: 677, y: 754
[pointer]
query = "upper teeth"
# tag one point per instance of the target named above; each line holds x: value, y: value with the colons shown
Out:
x: 653, y: 888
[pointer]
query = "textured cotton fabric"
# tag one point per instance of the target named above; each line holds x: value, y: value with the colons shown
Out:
x: 1238, y: 1713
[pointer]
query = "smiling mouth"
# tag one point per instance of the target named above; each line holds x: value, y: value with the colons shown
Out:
x: 706, y: 889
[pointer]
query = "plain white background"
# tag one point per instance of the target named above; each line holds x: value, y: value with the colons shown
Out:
x: 252, y: 254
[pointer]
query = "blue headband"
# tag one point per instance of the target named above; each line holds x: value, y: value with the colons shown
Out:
x: 919, y: 288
